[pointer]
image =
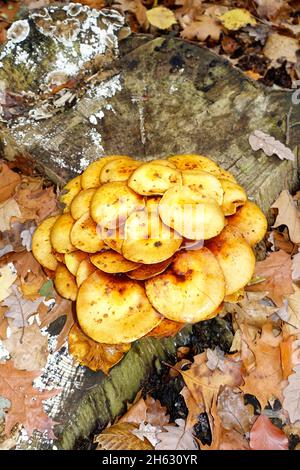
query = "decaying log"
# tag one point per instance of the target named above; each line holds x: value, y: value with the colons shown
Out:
x: 72, y: 90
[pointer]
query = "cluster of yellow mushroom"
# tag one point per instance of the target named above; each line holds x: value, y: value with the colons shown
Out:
x: 141, y: 242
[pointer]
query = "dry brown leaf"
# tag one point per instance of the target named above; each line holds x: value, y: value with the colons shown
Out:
x: 136, y: 414
x: 195, y: 407
x: 276, y: 269
x: 176, y: 438
x: 293, y: 326
x: 156, y: 413
x: 288, y: 215
x: 202, y: 382
x: 8, y: 182
x: 61, y: 308
x: 260, y: 140
x: 265, y: 436
x: 233, y: 412
x: 95, y: 356
x: 265, y: 380
x: 291, y: 402
x: 279, y: 47
x: 28, y: 348
x: 252, y: 310
x: 19, y: 308
x: 120, y: 437
x: 202, y: 29
x: 35, y: 202
x: 8, y: 276
x: 296, y: 267
x: 26, y: 401
x: 8, y: 210
x: 286, y: 352
x: 270, y: 8
x: 136, y: 7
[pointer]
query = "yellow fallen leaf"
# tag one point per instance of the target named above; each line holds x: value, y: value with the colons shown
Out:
x: 161, y: 17
x: 8, y: 275
x: 237, y: 18
x: 8, y: 209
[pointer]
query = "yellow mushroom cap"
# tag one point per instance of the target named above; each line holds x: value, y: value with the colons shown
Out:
x: 85, y: 235
x: 85, y: 269
x: 65, y: 283
x: 73, y: 260
x: 235, y: 256
x: 113, y: 203
x: 41, y: 244
x: 60, y: 234
x: 68, y: 193
x: 90, y: 178
x: 111, y: 262
x: 146, y: 271
x: 114, y: 310
x: 153, y: 178
x: 250, y: 222
x: 234, y: 196
x: 118, y: 170
x: 81, y: 203
x: 191, y: 289
x: 201, y: 181
x: 190, y: 213
x: 147, y: 240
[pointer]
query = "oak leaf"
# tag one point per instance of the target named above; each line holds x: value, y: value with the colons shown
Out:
x: 265, y: 380
x: 19, y: 308
x: 195, y: 408
x: 270, y: 8
x: 8, y: 182
x: 276, y: 269
x: 35, y: 202
x: 293, y: 325
x: 260, y: 140
x: 233, y: 411
x: 291, y: 402
x: 8, y: 275
x: 120, y: 437
x: 28, y: 348
x: 136, y: 7
x: 288, y: 215
x: 60, y: 308
x: 205, y: 384
x: 265, y: 436
x: 296, y: 267
x: 26, y: 401
x: 8, y: 210
x: 203, y: 28
x: 148, y: 411
x: 176, y: 438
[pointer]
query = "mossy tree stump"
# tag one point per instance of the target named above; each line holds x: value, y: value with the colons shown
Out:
x: 138, y: 96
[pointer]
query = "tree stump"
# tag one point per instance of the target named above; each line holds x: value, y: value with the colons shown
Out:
x: 73, y: 90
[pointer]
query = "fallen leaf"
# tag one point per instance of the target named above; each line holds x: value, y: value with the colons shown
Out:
x: 265, y: 380
x: 237, y: 18
x: 161, y: 17
x: 260, y: 140
x: 120, y: 437
x: 202, y: 382
x: 270, y: 8
x: 148, y: 432
x: 19, y: 308
x: 8, y: 275
x: 156, y: 413
x: 288, y: 215
x: 95, y: 356
x: 176, y: 438
x: 28, y: 348
x: 35, y: 202
x: 265, y: 436
x: 233, y: 412
x: 136, y: 414
x: 47, y: 289
x: 202, y: 29
x: 61, y: 308
x: 253, y: 309
x: 26, y: 401
x: 294, y: 310
x: 276, y: 269
x: 8, y: 210
x: 136, y: 7
x: 8, y: 182
x: 215, y: 358
x: 195, y: 408
x: 291, y: 393
x: 280, y: 47
x: 286, y: 351
x: 296, y: 267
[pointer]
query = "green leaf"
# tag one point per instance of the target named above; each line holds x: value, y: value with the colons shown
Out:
x: 47, y: 289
